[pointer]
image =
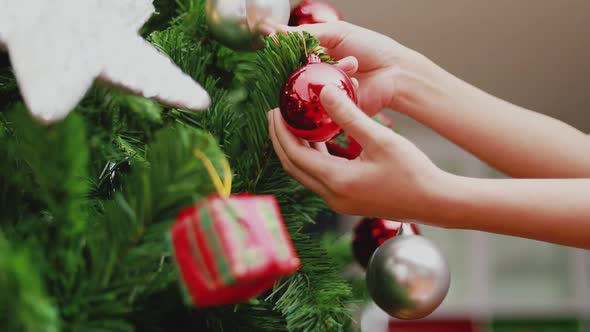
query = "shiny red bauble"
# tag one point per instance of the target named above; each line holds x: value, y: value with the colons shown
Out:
x: 313, y: 11
x: 370, y: 233
x: 346, y: 146
x: 300, y: 100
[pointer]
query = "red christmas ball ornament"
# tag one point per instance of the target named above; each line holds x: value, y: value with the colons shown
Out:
x: 300, y: 103
x: 370, y: 233
x: 312, y: 11
x: 346, y: 146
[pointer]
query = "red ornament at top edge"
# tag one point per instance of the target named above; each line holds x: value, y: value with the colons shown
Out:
x: 313, y: 11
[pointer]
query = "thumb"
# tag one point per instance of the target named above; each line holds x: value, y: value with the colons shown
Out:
x: 348, y: 116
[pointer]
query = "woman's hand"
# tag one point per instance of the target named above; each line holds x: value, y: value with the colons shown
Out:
x: 390, y: 74
x: 516, y: 141
x: 392, y: 178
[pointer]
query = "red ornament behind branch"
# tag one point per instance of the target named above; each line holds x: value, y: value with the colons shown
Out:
x: 300, y: 104
x: 370, y: 233
x: 346, y: 146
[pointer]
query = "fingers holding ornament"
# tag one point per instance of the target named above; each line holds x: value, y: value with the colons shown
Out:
x: 349, y: 65
x: 321, y: 147
x: 407, y: 276
x: 299, y: 158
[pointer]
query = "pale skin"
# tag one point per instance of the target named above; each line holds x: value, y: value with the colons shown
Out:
x: 548, y: 198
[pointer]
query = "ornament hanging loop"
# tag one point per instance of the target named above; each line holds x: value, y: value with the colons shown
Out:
x: 406, y: 229
x: 223, y: 187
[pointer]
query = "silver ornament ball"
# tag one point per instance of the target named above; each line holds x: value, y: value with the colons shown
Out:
x: 236, y: 23
x: 407, y: 276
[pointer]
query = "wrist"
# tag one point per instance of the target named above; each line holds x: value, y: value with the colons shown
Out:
x: 420, y: 87
x: 448, y: 201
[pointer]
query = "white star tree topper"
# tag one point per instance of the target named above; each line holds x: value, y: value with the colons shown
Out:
x: 59, y: 47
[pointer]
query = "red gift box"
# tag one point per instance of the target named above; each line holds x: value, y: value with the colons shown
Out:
x: 229, y: 250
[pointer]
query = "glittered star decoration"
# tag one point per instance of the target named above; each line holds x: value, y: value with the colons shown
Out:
x: 59, y: 47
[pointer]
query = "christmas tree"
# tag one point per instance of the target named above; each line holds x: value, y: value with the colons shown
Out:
x: 86, y: 204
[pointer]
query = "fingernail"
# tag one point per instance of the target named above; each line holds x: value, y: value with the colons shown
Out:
x: 347, y: 67
x: 347, y: 64
x: 330, y: 95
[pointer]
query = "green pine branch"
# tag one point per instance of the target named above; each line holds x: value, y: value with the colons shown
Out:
x: 29, y: 308
x: 86, y: 204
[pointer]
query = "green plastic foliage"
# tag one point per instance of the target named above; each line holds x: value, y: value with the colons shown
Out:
x: 85, y: 204
x: 31, y: 309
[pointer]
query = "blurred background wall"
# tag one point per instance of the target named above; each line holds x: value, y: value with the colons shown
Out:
x: 534, y: 53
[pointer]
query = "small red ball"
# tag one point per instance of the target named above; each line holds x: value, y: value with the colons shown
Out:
x: 313, y: 11
x: 300, y: 100
x: 344, y: 146
x: 370, y: 233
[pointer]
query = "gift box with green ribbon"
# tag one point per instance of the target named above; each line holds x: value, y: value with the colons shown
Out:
x: 230, y: 249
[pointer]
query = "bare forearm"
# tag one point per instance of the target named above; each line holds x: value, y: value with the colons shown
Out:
x: 556, y: 211
x: 516, y: 141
